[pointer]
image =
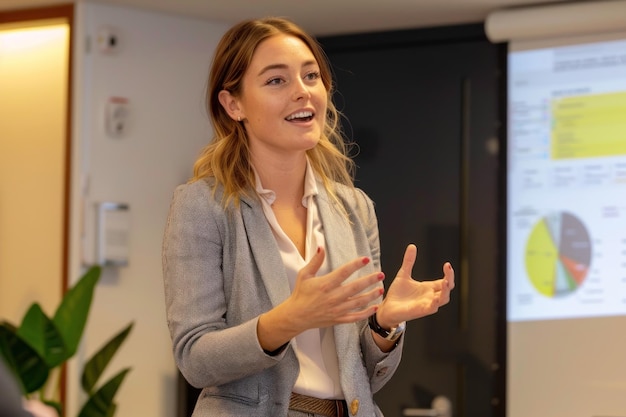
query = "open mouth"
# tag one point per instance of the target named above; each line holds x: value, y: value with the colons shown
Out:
x: 303, y: 116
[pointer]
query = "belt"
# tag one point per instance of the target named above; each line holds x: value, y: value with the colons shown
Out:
x: 312, y: 405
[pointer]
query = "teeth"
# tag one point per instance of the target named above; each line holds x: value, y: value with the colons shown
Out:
x: 300, y: 115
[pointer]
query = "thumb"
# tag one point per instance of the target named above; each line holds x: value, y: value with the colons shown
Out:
x: 410, y: 254
x: 311, y: 268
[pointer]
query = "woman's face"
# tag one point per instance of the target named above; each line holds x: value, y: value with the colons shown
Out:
x: 283, y: 100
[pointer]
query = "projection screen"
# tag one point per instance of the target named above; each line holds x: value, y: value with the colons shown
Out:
x: 565, y: 209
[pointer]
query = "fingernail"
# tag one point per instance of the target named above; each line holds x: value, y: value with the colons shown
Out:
x: 366, y: 260
x: 319, y: 249
x: 381, y: 291
x: 381, y: 276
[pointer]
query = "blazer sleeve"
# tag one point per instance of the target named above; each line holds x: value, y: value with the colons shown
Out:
x: 207, y: 352
x: 11, y: 402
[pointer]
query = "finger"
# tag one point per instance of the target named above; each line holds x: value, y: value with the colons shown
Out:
x: 339, y: 275
x: 311, y: 268
x: 437, y: 285
x: 447, y: 284
x: 410, y: 254
x: 361, y: 301
x: 357, y: 303
x: 448, y: 275
x: 357, y: 286
x: 358, y: 315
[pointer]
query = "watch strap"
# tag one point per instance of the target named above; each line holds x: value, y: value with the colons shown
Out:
x: 392, y: 335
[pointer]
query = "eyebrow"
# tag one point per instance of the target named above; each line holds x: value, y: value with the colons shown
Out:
x: 284, y: 66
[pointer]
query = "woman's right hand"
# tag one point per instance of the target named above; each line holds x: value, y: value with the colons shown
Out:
x: 321, y: 301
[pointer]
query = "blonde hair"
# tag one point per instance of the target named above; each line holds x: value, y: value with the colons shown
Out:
x: 227, y: 157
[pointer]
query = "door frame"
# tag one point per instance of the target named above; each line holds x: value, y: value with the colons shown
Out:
x: 65, y: 12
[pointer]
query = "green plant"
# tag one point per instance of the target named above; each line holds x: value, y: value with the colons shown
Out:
x: 36, y: 350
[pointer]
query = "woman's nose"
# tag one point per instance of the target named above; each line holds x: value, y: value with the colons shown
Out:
x: 301, y: 90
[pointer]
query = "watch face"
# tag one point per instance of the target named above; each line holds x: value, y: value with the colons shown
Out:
x: 396, y: 332
x: 401, y: 327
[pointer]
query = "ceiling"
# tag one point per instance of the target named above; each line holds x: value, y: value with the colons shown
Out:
x: 321, y: 17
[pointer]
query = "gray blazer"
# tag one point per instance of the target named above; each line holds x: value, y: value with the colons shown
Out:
x: 11, y: 402
x: 222, y: 269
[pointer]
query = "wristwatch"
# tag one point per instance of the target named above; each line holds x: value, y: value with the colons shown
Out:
x: 391, y: 335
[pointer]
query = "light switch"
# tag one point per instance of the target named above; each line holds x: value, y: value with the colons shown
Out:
x: 113, y: 234
x: 117, y: 115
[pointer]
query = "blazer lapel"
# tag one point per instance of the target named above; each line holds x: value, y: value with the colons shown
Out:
x: 340, y: 248
x: 339, y: 244
x: 265, y: 251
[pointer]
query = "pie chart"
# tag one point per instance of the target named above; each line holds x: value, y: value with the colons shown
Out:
x: 558, y: 254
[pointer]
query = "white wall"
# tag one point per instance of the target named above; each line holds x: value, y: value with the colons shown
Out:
x: 161, y: 67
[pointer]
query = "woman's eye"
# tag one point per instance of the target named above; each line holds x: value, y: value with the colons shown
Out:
x: 274, y: 81
x: 312, y: 75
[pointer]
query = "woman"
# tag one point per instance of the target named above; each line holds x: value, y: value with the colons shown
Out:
x: 271, y: 256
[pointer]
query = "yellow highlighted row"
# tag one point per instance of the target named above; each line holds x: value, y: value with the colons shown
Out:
x: 589, y: 126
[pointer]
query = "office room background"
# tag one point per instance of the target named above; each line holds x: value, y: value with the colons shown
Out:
x: 117, y: 116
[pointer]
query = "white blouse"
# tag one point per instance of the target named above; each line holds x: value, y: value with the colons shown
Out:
x: 315, y: 348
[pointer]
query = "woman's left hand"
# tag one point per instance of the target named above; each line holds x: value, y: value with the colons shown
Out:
x: 408, y: 299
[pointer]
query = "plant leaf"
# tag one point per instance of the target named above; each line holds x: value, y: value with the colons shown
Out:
x: 71, y: 315
x: 42, y: 335
x: 100, y: 403
x: 29, y: 368
x: 95, y: 366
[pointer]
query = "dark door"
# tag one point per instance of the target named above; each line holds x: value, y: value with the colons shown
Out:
x: 423, y: 108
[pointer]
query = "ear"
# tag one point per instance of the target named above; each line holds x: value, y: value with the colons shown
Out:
x: 231, y: 105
